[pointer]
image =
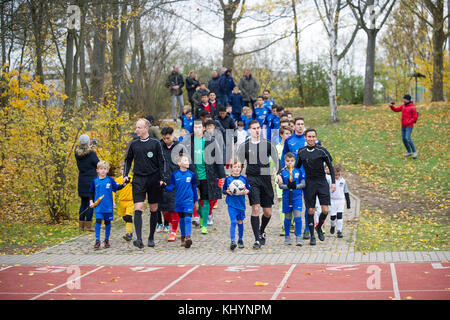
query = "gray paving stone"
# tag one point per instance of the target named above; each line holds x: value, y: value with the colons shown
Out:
x: 447, y: 255
x: 380, y: 257
x: 418, y: 256
x: 411, y: 256
x: 403, y: 256
x: 395, y: 256
x: 388, y: 256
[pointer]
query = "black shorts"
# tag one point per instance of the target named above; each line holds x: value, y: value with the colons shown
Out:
x: 146, y: 186
x: 319, y: 188
x: 261, y: 191
x: 203, y: 189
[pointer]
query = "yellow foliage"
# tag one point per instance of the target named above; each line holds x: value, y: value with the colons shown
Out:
x: 37, y: 139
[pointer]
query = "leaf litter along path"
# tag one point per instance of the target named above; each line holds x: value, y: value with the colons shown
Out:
x: 407, y: 281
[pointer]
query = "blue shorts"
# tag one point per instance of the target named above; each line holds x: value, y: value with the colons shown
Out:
x: 184, y: 209
x: 104, y: 216
x: 237, y: 214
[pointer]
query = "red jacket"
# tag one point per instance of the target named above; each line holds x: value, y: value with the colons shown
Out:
x: 409, y: 114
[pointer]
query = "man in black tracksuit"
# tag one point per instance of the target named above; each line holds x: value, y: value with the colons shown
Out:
x: 256, y: 151
x: 313, y: 157
x: 148, y: 173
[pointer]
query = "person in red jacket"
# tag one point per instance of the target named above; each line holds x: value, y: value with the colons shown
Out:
x: 409, y: 117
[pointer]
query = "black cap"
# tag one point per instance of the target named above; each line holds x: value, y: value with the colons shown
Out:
x: 150, y: 119
x: 407, y: 97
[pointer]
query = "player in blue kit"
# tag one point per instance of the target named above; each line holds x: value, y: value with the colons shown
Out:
x: 184, y: 182
x: 188, y: 121
x: 101, y: 192
x: 260, y: 114
x: 236, y: 203
x: 292, y: 183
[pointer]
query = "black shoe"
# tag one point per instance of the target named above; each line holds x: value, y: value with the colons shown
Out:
x: 188, y: 242
x: 107, y: 244
x: 233, y: 245
x: 151, y: 243
x: 320, y: 233
x: 138, y: 243
x: 306, y: 235
x: 339, y: 234
x: 312, y: 242
x: 262, y: 238
x: 240, y: 244
x: 256, y: 245
x: 332, y: 230
x: 97, y: 245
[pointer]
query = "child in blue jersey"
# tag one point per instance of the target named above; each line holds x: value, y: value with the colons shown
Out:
x: 292, y: 184
x: 101, y: 192
x: 236, y: 203
x: 260, y: 114
x: 246, y: 117
x: 184, y: 182
x: 188, y: 121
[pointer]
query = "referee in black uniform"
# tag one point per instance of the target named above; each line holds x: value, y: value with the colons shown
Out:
x: 256, y: 151
x: 149, y: 168
x: 313, y: 157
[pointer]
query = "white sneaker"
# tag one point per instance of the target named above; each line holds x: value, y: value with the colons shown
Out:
x: 414, y: 155
x: 166, y: 229
x: 159, y: 228
x: 210, y: 221
x: 408, y: 154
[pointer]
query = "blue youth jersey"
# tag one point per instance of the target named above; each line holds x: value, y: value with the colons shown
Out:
x: 246, y: 120
x: 103, y: 187
x: 188, y: 124
x: 268, y: 104
x: 273, y: 125
x: 260, y: 114
x: 235, y: 201
x: 297, y: 176
x: 185, y: 185
x: 292, y: 144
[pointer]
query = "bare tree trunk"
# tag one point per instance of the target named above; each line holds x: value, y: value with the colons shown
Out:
x: 297, y: 55
x: 69, y: 69
x: 38, y: 11
x: 333, y: 75
x: 369, y: 99
x: 82, y: 54
x: 3, y: 31
x: 229, y: 37
x: 437, y: 92
x: 98, y: 63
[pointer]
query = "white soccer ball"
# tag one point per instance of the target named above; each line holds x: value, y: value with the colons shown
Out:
x: 236, y: 187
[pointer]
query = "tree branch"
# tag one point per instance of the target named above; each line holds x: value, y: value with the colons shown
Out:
x: 264, y: 47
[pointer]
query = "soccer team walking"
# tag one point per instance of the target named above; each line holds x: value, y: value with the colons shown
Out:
x: 183, y: 178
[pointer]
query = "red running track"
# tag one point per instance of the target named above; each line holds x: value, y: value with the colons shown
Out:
x: 405, y: 281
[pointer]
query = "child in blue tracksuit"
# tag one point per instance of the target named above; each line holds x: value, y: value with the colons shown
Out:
x: 188, y: 121
x: 292, y: 184
x: 236, y: 203
x: 186, y: 197
x: 101, y: 197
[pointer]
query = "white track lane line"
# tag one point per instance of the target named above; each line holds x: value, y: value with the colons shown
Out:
x: 395, y: 282
x: 283, y: 282
x: 1, y: 269
x: 173, y: 283
x: 65, y: 283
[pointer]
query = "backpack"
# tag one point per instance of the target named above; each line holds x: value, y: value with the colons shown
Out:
x: 417, y: 113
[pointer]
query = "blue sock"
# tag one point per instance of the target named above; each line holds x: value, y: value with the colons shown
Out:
x: 287, y: 227
x: 98, y: 227
x: 233, y: 229
x: 187, y: 225
x: 298, y: 226
x: 107, y: 231
x: 182, y: 222
x: 240, y: 230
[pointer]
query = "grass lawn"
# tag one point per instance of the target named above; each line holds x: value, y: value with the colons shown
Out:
x: 367, y: 142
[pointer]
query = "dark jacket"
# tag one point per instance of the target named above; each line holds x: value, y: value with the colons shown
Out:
x: 197, y: 97
x: 174, y: 79
x: 248, y: 87
x: 237, y: 103
x: 227, y: 85
x: 227, y: 123
x: 87, y: 167
x: 168, y: 198
x: 213, y: 112
x: 214, y: 171
x: 222, y: 85
x: 214, y: 85
x: 191, y: 85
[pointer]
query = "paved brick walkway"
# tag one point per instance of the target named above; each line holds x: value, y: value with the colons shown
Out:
x: 213, y: 248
